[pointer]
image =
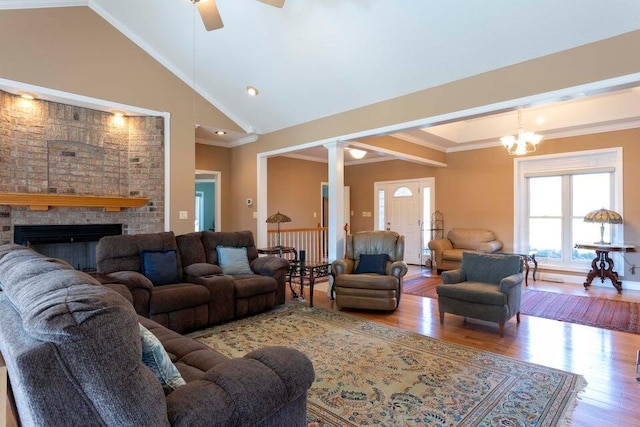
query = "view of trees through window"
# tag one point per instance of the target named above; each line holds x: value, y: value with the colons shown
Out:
x: 557, y: 206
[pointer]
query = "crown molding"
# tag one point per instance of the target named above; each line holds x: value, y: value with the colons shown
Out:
x: 40, y: 4
x: 229, y: 144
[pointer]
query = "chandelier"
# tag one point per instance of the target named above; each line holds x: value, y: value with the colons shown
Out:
x: 523, y: 142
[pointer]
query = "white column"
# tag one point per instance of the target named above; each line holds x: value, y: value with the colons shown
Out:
x: 336, y: 199
x: 260, y: 204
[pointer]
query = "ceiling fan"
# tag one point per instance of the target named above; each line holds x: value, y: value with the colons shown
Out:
x: 211, y: 17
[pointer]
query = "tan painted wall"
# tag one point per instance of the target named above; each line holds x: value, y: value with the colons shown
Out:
x: 212, y: 158
x: 476, y: 189
x: 361, y: 179
x: 72, y: 49
x: 294, y: 189
x: 590, y: 63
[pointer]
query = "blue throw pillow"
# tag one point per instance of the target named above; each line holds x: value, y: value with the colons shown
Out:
x: 161, y: 267
x: 372, y: 264
x: 233, y: 260
x: 155, y: 357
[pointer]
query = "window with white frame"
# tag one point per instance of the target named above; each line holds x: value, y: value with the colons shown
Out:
x: 554, y: 193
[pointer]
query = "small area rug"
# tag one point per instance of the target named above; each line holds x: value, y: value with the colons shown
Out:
x: 371, y: 374
x: 599, y: 312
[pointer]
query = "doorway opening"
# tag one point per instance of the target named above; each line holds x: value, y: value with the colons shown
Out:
x: 208, y: 209
x: 405, y: 206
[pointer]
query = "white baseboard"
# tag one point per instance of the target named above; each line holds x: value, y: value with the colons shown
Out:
x: 579, y: 280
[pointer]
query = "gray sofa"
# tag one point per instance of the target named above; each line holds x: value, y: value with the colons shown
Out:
x: 73, y: 351
x: 199, y: 293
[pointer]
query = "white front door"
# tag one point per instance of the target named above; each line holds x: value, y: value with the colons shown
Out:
x: 399, y: 208
x: 404, y: 217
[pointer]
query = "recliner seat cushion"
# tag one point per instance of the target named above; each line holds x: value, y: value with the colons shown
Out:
x: 475, y: 292
x: 168, y: 298
x: 252, y: 285
x: 367, y: 281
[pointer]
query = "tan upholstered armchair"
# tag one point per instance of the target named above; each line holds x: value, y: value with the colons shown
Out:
x: 370, y: 277
x: 448, y: 252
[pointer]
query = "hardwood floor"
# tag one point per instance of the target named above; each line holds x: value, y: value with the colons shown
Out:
x: 606, y: 359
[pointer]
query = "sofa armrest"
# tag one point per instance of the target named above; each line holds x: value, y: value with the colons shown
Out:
x: 454, y: 276
x: 342, y: 266
x: 490, y: 247
x: 510, y: 282
x: 140, y: 288
x: 201, y: 269
x: 269, y: 265
x: 243, y: 391
x: 438, y: 246
x: 397, y: 269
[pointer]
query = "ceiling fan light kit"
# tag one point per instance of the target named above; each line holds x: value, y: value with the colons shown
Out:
x: 211, y: 16
x: 209, y: 13
x: 274, y: 3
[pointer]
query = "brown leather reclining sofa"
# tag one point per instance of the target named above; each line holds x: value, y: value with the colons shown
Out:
x: 192, y: 291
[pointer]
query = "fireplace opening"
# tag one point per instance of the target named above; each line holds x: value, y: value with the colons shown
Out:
x: 76, y: 244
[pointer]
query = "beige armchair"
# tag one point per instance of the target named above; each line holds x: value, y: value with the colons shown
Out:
x: 370, y: 277
x: 448, y: 252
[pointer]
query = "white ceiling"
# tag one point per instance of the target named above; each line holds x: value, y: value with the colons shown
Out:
x: 315, y: 58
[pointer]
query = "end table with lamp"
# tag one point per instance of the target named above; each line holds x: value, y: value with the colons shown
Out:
x: 277, y: 218
x: 602, y: 265
x: 278, y: 249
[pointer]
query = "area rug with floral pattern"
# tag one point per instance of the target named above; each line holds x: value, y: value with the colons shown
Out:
x: 368, y: 373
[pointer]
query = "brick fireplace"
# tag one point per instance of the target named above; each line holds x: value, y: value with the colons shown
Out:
x: 48, y: 148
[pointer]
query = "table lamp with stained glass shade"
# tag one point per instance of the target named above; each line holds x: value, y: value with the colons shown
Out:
x: 603, y: 216
x: 277, y: 218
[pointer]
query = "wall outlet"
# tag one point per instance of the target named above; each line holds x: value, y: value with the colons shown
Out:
x: 184, y: 215
x: 255, y: 215
x: 315, y: 214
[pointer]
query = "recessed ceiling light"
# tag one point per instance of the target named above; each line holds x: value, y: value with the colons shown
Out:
x: 252, y: 91
x: 118, y: 113
x: 540, y: 120
x: 26, y: 95
x: 220, y: 132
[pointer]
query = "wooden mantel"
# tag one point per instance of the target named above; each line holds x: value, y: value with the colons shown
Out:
x: 42, y: 202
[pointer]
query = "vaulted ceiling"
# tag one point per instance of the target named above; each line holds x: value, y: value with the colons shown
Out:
x: 315, y: 58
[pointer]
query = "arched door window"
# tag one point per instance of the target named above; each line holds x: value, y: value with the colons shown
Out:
x: 403, y: 192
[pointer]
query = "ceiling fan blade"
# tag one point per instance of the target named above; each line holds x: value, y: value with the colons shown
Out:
x: 210, y: 15
x: 274, y: 3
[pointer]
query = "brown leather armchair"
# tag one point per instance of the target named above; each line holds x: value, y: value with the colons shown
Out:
x: 370, y: 276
